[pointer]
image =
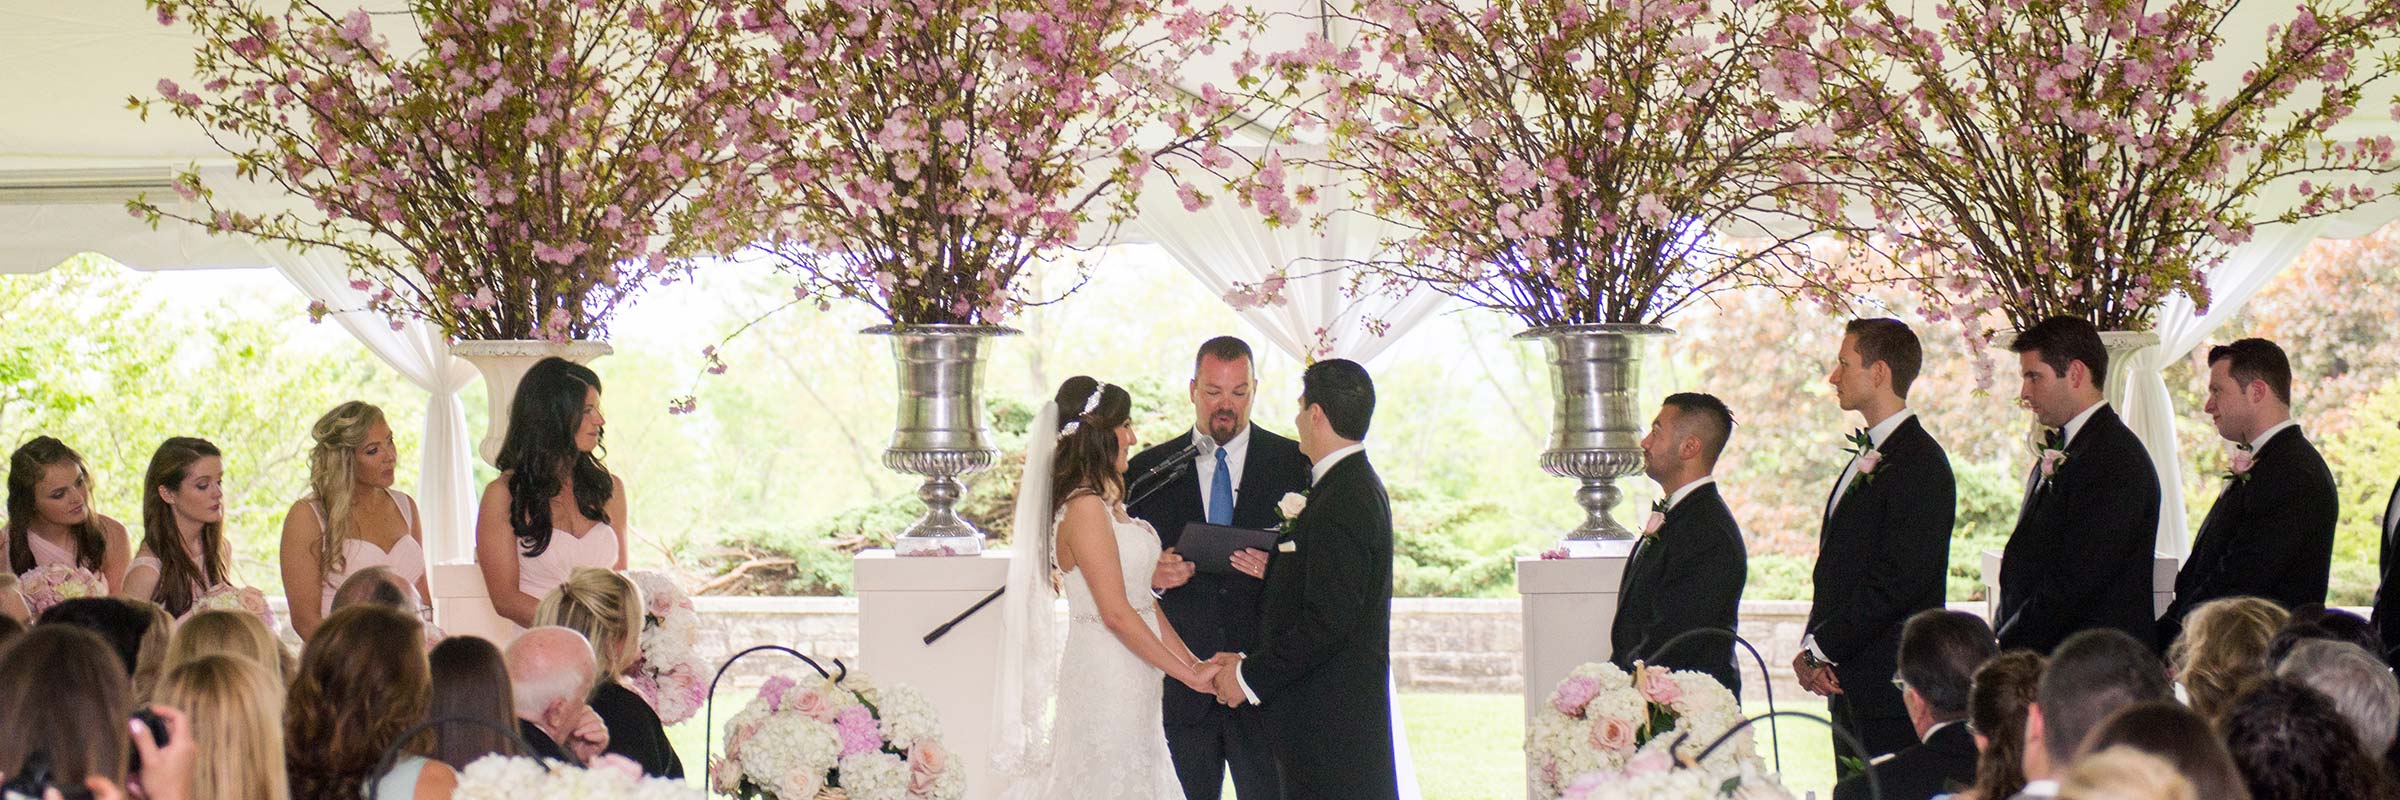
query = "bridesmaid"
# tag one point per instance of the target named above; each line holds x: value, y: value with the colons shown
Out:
x: 183, y: 527
x: 352, y: 518
x: 50, y: 517
x: 554, y: 506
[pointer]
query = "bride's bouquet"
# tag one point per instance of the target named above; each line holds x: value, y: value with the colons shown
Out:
x: 670, y: 674
x: 228, y: 597
x: 52, y: 584
x: 822, y: 738
x: 610, y: 777
x: 1606, y: 733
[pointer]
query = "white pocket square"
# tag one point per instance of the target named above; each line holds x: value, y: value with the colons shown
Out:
x: 1288, y: 547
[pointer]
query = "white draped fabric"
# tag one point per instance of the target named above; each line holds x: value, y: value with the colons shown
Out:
x: 1225, y: 244
x: 421, y: 354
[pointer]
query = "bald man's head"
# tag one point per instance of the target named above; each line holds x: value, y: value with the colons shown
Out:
x: 550, y: 668
x: 377, y: 585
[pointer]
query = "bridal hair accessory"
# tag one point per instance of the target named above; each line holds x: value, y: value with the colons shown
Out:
x: 1089, y: 406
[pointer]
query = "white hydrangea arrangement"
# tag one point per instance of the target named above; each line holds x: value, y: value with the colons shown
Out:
x: 670, y: 674
x: 1609, y: 733
x: 611, y: 777
x: 816, y: 737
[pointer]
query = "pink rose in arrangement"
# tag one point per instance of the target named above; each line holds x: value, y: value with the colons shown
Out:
x: 1613, y: 733
x: 1658, y: 686
x: 1574, y: 693
x: 926, y: 762
x: 810, y: 703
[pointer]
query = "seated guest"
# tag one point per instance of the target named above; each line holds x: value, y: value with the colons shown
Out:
x: 64, y: 694
x: 2093, y: 674
x: 236, y: 712
x: 470, y: 682
x: 361, y: 684
x: 2124, y: 773
x: 607, y: 609
x: 1996, y: 707
x: 119, y: 622
x: 2319, y: 622
x: 1939, y: 652
x: 1687, y: 571
x: 352, y: 518
x: 376, y: 585
x: 2291, y: 743
x: 2357, y: 682
x: 550, y: 671
x: 219, y: 631
x: 150, y: 661
x: 2223, y: 651
x: 2270, y: 533
x: 2175, y: 734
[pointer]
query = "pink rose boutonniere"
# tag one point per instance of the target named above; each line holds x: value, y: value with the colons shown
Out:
x: 2051, y: 460
x: 1658, y: 517
x: 1869, y: 457
x: 2238, y: 466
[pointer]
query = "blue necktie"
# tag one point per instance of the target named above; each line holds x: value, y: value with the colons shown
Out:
x: 1220, y: 493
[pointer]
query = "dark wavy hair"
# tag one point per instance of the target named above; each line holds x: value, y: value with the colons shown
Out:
x: 1087, y: 458
x: 25, y: 469
x: 362, y: 683
x: 2004, y: 689
x: 2291, y: 743
x: 540, y: 449
x: 177, y: 573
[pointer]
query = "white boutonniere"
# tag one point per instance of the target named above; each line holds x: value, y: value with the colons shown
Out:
x: 1658, y: 517
x: 1290, y: 507
x: 2238, y: 466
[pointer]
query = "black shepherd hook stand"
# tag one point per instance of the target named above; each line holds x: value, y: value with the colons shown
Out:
x: 708, y: 718
x: 391, y: 755
x: 1157, y: 479
x: 1774, y: 733
x: 1874, y: 784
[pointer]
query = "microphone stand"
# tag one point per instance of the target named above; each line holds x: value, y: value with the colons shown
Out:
x: 1158, y: 477
x: 708, y: 719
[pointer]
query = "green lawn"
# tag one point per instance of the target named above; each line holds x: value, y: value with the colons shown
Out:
x: 1472, y: 746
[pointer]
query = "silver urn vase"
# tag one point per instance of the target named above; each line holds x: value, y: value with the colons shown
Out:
x: 1595, y: 426
x: 940, y: 433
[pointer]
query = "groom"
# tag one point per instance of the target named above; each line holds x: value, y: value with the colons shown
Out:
x: 1324, y: 650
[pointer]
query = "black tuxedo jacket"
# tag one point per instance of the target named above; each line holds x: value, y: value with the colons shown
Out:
x: 2387, y: 591
x: 2270, y: 535
x: 1216, y: 613
x: 1323, y: 661
x: 1942, y: 764
x: 1687, y: 576
x: 1885, y: 555
x: 2081, y: 554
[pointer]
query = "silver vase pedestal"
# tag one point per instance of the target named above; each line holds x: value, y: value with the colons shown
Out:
x: 1595, y: 426
x: 940, y: 432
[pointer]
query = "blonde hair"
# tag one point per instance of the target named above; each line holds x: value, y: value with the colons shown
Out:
x: 150, y: 661
x: 236, y: 713
x: 223, y: 632
x: 603, y: 606
x: 2124, y: 773
x: 2223, y: 650
x: 333, y: 475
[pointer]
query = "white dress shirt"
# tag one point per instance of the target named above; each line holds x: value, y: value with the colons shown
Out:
x: 2260, y: 443
x: 1316, y: 472
x: 1237, y: 452
x: 2075, y: 426
x: 1686, y: 490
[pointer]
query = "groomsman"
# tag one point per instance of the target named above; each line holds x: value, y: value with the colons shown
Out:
x: 2080, y: 556
x: 2387, y: 592
x: 1885, y: 551
x: 1689, y: 565
x: 2270, y: 533
x: 1226, y: 472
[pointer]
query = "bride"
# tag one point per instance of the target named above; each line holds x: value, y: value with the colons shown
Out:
x: 1073, y: 537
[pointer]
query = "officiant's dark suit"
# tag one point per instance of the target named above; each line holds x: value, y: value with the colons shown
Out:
x: 1688, y: 575
x: 1322, y: 666
x: 2080, y: 556
x: 2269, y: 535
x: 1884, y: 556
x: 1218, y: 612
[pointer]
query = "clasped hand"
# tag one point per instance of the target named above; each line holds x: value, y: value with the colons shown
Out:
x: 1222, y: 671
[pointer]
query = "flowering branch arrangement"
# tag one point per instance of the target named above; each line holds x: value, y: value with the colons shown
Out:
x: 523, y: 174
x: 925, y: 153
x: 1566, y: 162
x: 2066, y: 157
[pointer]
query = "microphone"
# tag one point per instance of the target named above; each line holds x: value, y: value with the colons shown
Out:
x: 1182, y: 458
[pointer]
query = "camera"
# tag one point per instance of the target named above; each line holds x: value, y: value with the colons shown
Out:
x: 158, y: 734
x: 33, y: 779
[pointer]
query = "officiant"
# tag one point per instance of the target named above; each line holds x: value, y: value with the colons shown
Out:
x: 1227, y: 472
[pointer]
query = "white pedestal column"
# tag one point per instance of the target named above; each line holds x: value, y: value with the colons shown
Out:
x: 902, y: 599
x: 462, y: 607
x: 2162, y: 584
x: 1569, y: 605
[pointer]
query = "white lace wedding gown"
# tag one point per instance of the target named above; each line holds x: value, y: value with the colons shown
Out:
x: 1108, y: 740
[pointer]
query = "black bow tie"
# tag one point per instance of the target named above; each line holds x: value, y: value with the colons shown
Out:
x: 2055, y: 439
